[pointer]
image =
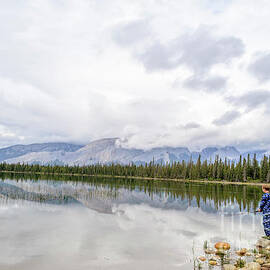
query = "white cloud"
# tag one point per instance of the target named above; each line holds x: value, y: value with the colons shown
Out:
x: 77, y: 71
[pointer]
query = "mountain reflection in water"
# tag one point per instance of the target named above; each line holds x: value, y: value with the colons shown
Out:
x: 16, y: 193
x: 150, y: 224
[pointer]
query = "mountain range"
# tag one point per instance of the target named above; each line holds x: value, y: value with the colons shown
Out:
x: 106, y: 151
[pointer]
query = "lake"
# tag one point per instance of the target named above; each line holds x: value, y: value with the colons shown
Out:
x: 105, y: 223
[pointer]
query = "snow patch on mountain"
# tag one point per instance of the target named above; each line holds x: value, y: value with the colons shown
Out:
x: 21, y: 150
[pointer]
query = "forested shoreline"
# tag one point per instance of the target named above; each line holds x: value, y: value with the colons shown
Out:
x: 245, y: 170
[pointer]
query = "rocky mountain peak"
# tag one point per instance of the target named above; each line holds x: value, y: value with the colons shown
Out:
x: 110, y: 150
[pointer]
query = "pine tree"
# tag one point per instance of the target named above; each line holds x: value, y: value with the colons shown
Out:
x: 249, y: 167
x: 264, y: 169
x: 244, y: 170
x: 255, y: 168
x: 198, y: 168
x: 239, y: 173
x: 204, y: 170
x: 268, y: 176
x: 215, y: 168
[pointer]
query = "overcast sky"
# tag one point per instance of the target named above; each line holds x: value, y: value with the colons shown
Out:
x: 153, y: 72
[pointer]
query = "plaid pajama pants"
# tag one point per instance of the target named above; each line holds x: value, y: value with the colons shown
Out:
x: 266, y: 223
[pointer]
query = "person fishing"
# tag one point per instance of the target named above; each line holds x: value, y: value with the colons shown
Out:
x: 265, y: 209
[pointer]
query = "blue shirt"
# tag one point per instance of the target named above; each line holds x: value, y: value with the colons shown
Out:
x: 265, y: 203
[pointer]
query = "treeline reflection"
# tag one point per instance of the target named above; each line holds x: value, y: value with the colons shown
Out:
x: 88, y: 188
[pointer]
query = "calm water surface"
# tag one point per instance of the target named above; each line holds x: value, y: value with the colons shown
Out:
x: 119, y: 224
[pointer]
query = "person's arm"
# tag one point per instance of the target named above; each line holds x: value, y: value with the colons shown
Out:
x: 263, y: 202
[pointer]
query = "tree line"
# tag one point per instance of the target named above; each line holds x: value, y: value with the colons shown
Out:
x: 245, y: 169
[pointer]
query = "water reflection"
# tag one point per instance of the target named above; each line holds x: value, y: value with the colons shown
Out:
x: 119, y: 224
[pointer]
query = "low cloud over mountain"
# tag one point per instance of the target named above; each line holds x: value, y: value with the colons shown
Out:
x: 110, y: 150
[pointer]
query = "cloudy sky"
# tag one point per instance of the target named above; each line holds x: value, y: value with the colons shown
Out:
x: 152, y: 72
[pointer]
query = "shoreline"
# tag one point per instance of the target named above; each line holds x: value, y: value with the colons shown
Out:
x: 142, y: 178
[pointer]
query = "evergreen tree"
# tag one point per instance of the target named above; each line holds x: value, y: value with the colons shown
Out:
x: 198, y: 168
x: 249, y: 167
x: 264, y: 168
x: 244, y: 170
x: 255, y: 168
x: 268, y: 176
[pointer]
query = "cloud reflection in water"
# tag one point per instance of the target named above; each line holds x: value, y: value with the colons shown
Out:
x: 139, y: 234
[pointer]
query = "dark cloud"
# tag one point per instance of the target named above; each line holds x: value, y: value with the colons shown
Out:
x: 251, y: 100
x: 199, y: 51
x: 202, y: 50
x: 227, y: 118
x: 157, y: 57
x: 128, y: 34
x: 207, y: 135
x: 211, y: 84
x: 192, y: 125
x: 260, y: 68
